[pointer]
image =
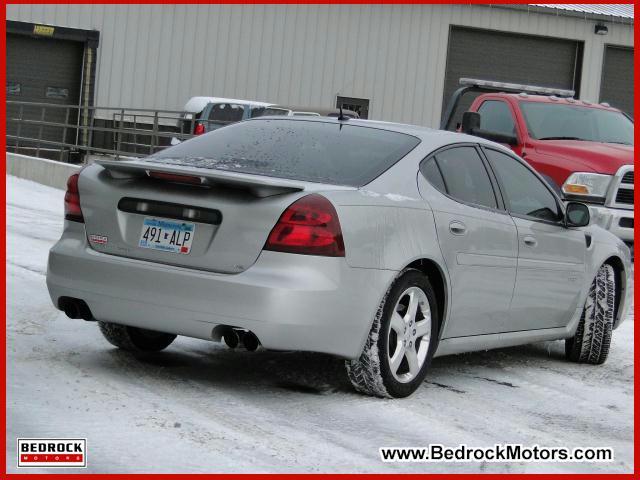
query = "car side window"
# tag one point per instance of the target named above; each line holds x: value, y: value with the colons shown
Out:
x: 432, y: 173
x: 465, y: 177
x: 496, y: 116
x: 525, y: 193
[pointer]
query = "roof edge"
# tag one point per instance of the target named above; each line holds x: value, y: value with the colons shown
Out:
x: 553, y: 9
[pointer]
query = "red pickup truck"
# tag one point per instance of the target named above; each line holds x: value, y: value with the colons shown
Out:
x: 584, y: 150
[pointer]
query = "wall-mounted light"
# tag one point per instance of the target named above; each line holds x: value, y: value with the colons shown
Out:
x: 601, y: 29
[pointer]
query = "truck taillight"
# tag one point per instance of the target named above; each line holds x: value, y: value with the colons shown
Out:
x: 199, y: 130
x: 309, y: 226
x: 72, y: 209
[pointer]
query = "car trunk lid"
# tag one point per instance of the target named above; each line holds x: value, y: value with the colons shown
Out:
x: 228, y: 215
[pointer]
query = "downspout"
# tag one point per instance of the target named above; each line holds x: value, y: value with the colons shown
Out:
x: 86, y: 94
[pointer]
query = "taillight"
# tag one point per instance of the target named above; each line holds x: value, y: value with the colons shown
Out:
x: 199, y: 130
x: 175, y: 177
x: 72, y: 209
x: 309, y: 226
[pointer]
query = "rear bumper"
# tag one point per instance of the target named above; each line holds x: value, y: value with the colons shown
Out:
x: 291, y: 302
x: 616, y: 220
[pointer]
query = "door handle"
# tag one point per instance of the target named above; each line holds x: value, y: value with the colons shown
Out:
x: 530, y: 241
x: 457, y: 228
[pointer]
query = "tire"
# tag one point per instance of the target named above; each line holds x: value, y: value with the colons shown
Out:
x: 135, y: 339
x: 593, y: 336
x: 373, y: 373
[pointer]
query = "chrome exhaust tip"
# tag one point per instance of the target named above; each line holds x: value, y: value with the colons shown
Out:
x: 75, y: 308
x: 231, y: 337
x: 70, y: 309
x: 250, y: 341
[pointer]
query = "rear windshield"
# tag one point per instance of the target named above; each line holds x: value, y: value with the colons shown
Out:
x: 268, y: 112
x: 325, y: 152
x: 226, y: 112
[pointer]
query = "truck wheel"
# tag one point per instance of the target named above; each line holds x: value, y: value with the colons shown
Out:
x: 135, y: 339
x: 401, y: 341
x: 593, y: 336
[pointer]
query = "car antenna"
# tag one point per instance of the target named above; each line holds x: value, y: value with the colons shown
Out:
x: 341, y: 117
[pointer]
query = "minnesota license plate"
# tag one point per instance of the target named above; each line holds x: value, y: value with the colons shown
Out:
x: 167, y: 235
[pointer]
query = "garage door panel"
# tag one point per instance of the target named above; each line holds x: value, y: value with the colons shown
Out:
x: 617, y: 78
x: 43, y: 70
x: 508, y: 57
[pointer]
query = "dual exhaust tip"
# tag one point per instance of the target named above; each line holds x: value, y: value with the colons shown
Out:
x: 232, y: 337
x: 75, y: 308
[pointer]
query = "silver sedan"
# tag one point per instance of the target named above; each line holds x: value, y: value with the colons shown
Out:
x: 381, y: 243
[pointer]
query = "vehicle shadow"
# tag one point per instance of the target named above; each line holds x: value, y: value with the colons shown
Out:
x: 302, y: 372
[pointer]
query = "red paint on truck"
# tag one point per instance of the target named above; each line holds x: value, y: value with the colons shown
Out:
x: 557, y: 159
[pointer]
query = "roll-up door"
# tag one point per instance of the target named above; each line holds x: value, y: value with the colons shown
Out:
x: 509, y: 57
x: 617, y: 78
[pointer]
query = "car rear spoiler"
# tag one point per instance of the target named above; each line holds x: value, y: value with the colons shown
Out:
x: 258, y: 185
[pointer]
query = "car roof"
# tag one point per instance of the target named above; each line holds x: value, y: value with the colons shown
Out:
x: 525, y: 97
x: 324, y: 111
x: 197, y: 104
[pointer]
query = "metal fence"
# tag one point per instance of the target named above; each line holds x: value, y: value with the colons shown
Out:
x: 68, y: 132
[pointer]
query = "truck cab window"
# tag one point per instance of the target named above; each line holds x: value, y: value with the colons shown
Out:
x: 226, y: 113
x: 496, y: 116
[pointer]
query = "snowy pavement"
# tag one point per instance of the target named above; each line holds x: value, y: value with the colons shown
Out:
x: 200, y: 407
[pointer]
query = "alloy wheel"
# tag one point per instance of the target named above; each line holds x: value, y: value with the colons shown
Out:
x: 409, y: 335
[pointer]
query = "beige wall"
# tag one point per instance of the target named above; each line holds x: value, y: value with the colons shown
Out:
x: 157, y: 56
x: 41, y: 170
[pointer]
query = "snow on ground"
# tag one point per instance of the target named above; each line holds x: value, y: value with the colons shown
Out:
x: 199, y: 407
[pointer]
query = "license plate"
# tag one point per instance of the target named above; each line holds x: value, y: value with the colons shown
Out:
x: 167, y: 235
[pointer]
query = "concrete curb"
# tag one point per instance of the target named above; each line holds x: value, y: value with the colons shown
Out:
x: 47, y: 172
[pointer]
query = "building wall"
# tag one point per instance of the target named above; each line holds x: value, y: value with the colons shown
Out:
x: 157, y: 56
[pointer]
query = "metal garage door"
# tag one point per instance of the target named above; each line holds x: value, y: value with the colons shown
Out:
x: 507, y: 57
x: 617, y: 78
x: 44, y: 70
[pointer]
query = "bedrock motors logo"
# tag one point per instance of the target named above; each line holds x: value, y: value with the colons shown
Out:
x: 52, y: 452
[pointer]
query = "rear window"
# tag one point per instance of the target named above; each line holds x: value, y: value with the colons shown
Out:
x: 336, y: 153
x: 268, y: 112
x: 226, y: 112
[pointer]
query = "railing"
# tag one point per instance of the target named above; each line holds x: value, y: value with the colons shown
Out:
x: 62, y: 132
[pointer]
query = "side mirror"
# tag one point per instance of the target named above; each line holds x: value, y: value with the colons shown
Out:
x: 471, y: 126
x: 576, y: 215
